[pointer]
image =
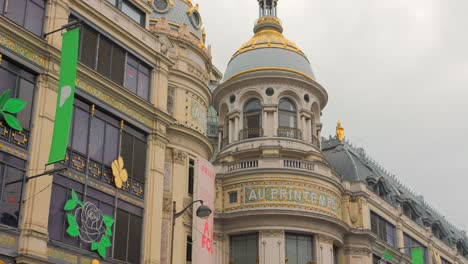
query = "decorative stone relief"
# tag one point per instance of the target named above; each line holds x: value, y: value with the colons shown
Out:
x: 179, y: 156
x: 357, y: 251
x: 353, y: 211
x: 21, y: 50
x: 167, y: 205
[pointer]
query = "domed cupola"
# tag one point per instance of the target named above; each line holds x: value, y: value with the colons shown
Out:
x: 268, y: 49
x: 178, y: 13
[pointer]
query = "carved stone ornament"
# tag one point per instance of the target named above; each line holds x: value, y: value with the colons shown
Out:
x: 358, y: 251
x: 179, y: 156
x: 271, y: 233
x: 167, y: 205
x: 326, y: 239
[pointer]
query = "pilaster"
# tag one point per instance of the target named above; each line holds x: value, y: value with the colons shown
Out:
x: 37, y: 192
x: 154, y: 199
x: 272, y: 250
x: 325, y: 250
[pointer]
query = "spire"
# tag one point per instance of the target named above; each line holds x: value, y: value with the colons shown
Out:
x: 268, y: 16
x: 267, y: 8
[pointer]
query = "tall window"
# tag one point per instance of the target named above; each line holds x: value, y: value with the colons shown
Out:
x: 383, y: 229
x: 170, y: 100
x: 191, y: 175
x: 411, y: 243
x: 252, y: 120
x: 287, y: 114
x: 11, y: 170
x: 130, y: 10
x: 336, y: 256
x: 21, y: 83
x: 287, y: 120
x: 26, y: 13
x: 113, y: 62
x: 96, y: 139
x: 299, y: 249
x: 243, y: 249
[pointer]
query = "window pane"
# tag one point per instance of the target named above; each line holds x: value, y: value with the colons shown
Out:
x: 127, y: 152
x: 118, y: 64
x: 80, y: 131
x: 2, y: 4
x: 96, y: 146
x: 16, y: 11
x: 139, y: 163
x: 88, y: 47
x: 143, y: 85
x: 11, y: 200
x: 112, y: 144
x: 56, y: 213
x: 134, y: 239
x: 26, y: 92
x: 7, y: 80
x: 131, y: 78
x: 35, y: 17
x: 132, y: 12
x: 253, y: 105
x: 104, y: 59
x: 121, y: 235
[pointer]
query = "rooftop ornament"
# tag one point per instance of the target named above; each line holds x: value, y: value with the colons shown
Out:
x: 339, y: 131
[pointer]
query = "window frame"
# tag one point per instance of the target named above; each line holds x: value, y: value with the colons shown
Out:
x: 26, y: 15
x: 191, y: 176
x: 119, y: 5
x: 380, y: 226
x: 289, y: 113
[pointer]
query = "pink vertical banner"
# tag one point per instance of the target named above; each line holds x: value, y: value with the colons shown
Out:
x: 203, y: 233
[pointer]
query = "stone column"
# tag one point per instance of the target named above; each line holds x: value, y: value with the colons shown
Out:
x: 154, y: 199
x: 37, y: 192
x: 303, y: 127
x: 231, y: 131
x: 271, y: 248
x: 275, y: 123
x: 236, y: 128
x: 160, y: 86
x: 265, y: 125
x: 399, y: 236
x: 325, y: 250
x: 179, y: 191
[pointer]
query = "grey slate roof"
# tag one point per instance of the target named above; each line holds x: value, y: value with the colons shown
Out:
x: 268, y: 58
x: 178, y: 14
x: 353, y: 164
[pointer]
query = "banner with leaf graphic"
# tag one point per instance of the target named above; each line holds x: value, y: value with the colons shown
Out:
x: 9, y: 107
x: 66, y: 93
x: 86, y: 221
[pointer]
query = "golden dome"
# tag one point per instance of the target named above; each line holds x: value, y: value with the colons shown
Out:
x: 268, y: 34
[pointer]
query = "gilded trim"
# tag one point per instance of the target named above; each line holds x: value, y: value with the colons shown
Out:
x: 269, y: 69
x: 7, y: 240
x: 113, y: 102
x: 19, y: 49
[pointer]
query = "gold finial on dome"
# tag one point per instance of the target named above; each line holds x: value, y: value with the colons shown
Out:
x: 339, y: 131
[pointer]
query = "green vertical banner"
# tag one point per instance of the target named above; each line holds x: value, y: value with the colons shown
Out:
x: 66, y: 93
x: 417, y: 256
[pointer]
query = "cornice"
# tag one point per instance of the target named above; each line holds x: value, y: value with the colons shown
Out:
x: 192, y: 135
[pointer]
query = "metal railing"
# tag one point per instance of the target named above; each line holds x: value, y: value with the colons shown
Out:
x: 250, y: 133
x: 289, y: 132
x: 299, y: 164
x: 245, y: 164
x: 212, y: 129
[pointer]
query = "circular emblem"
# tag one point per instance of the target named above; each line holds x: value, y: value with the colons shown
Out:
x: 306, y: 98
x: 232, y: 99
x: 195, y: 18
x: 161, y: 6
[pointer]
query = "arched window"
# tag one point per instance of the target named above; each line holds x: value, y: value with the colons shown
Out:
x: 252, y: 120
x: 287, y: 119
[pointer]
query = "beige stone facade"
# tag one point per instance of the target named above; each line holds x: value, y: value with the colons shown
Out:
x: 172, y: 119
x: 283, y: 193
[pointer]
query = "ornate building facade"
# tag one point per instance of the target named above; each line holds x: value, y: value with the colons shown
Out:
x: 145, y: 84
x: 283, y: 195
x: 142, y: 94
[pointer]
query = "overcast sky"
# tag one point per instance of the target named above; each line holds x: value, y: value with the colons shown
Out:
x: 396, y: 72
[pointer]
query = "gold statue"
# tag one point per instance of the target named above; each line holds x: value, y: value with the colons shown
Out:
x: 339, y: 131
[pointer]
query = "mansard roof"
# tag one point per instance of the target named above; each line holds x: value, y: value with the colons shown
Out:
x: 353, y: 164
